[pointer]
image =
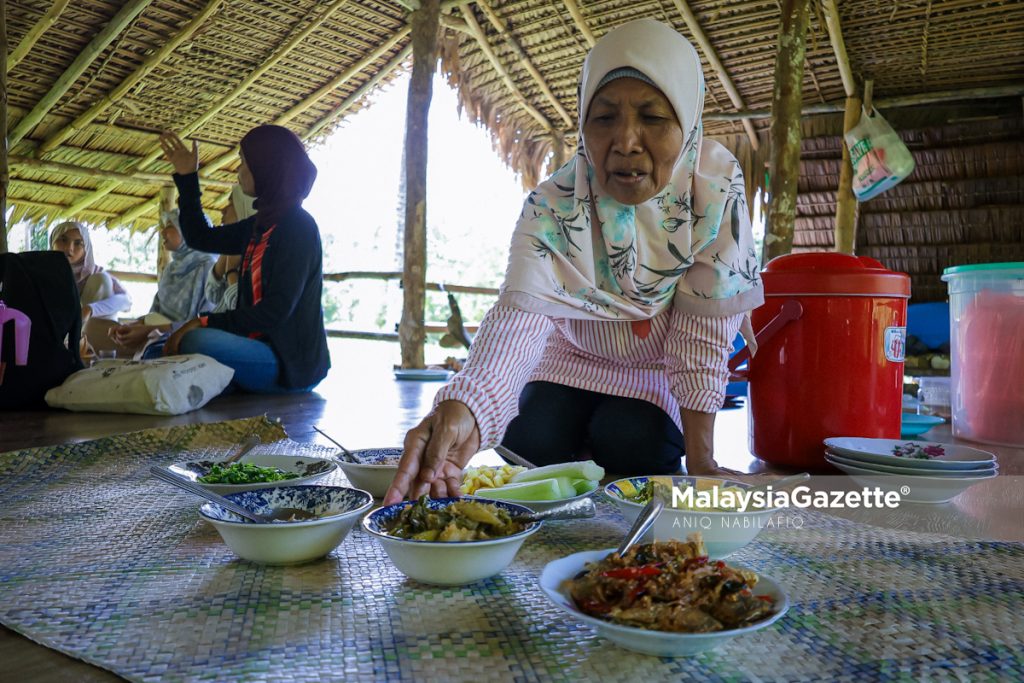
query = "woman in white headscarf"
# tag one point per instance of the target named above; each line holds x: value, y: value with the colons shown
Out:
x: 222, y: 285
x: 100, y: 294
x: 630, y: 271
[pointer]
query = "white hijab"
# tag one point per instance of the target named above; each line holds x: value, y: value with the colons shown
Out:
x: 691, y: 243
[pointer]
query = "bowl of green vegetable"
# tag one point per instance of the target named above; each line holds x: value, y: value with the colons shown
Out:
x: 450, y: 541
x: 255, y: 472
x: 715, y: 507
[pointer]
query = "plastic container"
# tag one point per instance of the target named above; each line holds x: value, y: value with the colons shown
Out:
x: 835, y: 370
x: 986, y: 305
x: 934, y: 396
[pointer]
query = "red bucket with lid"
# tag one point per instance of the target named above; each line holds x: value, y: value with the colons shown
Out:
x: 832, y: 361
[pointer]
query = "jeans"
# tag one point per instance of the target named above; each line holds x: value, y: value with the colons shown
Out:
x: 627, y: 436
x: 254, y: 362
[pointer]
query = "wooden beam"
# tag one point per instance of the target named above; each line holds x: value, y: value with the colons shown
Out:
x: 293, y: 40
x: 425, y: 32
x: 103, y: 174
x: 95, y: 47
x: 723, y: 74
x: 994, y: 92
x: 580, y: 21
x: 835, y: 36
x: 131, y: 81
x: 499, y: 24
x: 846, y: 201
x: 4, y: 174
x: 34, y: 33
x: 784, y: 168
x: 59, y: 209
x: 481, y: 39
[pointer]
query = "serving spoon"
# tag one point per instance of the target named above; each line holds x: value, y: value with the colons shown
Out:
x: 276, y: 515
x: 576, y: 509
x: 349, y: 455
x: 643, y: 522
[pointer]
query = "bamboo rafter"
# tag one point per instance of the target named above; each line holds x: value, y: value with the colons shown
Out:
x: 47, y: 20
x: 294, y: 39
x: 99, y: 43
x: 81, y: 171
x: 580, y: 21
x: 835, y: 36
x: 481, y: 39
x: 127, y: 84
x: 524, y: 59
x: 723, y: 74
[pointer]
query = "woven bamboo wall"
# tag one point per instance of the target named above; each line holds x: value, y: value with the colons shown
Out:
x: 964, y: 202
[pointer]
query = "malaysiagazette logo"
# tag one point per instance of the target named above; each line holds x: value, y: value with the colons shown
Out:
x: 741, y: 500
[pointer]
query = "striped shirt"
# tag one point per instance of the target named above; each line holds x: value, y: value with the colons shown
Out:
x: 675, y: 360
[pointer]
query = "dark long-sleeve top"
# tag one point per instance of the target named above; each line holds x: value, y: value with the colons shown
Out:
x: 289, y: 314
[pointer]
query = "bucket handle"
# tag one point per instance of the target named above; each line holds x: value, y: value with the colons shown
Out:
x: 791, y: 310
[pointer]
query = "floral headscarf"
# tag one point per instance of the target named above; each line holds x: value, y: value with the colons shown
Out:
x: 87, y: 267
x: 578, y: 253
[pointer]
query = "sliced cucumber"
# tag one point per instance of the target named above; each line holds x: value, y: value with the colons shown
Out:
x: 587, y: 469
x: 546, y: 489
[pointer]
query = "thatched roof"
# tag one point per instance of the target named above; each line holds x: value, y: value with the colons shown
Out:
x: 99, y: 79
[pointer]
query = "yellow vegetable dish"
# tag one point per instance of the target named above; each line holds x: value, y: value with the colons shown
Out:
x: 464, y: 520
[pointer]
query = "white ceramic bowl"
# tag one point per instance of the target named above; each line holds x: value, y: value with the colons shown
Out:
x: 660, y: 643
x: 724, y: 532
x: 289, y: 542
x: 447, y: 563
x: 373, y: 476
x: 912, y: 488
x: 309, y: 470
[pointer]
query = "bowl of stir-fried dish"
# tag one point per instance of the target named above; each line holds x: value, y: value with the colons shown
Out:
x: 726, y: 527
x: 666, y: 598
x: 450, y: 541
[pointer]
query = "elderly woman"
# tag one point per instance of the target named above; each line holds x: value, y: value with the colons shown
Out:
x: 630, y: 272
x: 274, y: 338
x: 100, y: 294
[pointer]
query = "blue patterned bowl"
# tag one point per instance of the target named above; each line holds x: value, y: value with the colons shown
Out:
x: 338, y: 509
x: 375, y: 472
x: 724, y: 531
x: 453, y: 563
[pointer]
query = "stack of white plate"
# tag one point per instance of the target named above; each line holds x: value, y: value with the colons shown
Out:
x: 921, y: 471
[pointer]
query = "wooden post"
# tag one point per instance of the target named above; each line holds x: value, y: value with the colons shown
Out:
x: 785, y: 131
x: 167, y: 203
x: 425, y: 26
x: 846, y: 202
x: 4, y: 178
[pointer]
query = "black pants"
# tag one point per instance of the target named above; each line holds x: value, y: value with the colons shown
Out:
x: 626, y: 436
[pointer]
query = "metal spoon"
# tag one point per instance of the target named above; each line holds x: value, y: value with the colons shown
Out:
x: 514, y: 457
x: 278, y: 514
x: 576, y: 509
x: 250, y: 442
x: 349, y: 455
x: 643, y: 522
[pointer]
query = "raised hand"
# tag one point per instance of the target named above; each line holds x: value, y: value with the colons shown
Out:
x: 183, y: 159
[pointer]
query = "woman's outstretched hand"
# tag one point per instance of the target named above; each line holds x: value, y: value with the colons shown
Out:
x: 183, y: 159
x: 434, y: 453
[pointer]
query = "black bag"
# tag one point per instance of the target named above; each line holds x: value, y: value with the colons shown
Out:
x: 37, y: 288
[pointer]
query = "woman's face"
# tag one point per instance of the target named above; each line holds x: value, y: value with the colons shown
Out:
x: 245, y: 179
x: 172, y: 236
x: 72, y: 244
x: 633, y: 138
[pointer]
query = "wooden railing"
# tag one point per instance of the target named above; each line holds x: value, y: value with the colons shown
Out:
x: 430, y: 327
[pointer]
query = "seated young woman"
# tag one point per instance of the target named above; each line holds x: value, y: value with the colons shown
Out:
x: 222, y: 285
x: 180, y: 292
x: 101, y: 295
x: 274, y: 339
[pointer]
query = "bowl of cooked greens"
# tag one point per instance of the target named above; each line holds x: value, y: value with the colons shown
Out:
x: 666, y: 598
x: 335, y: 510
x: 715, y: 507
x: 254, y: 471
x: 450, y: 541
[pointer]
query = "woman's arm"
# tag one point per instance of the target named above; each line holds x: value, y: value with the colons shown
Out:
x: 472, y: 411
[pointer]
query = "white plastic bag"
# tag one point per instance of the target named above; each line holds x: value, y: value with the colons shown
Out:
x: 880, y: 159
x: 164, y: 386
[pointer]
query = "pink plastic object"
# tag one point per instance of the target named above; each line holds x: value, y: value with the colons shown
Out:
x: 22, y: 332
x: 990, y: 364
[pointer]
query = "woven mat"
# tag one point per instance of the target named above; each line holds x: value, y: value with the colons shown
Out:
x: 103, y: 563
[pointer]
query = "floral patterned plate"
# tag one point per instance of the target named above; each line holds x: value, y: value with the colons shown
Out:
x: 924, y: 455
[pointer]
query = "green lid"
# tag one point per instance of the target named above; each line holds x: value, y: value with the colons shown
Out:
x: 982, y: 268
